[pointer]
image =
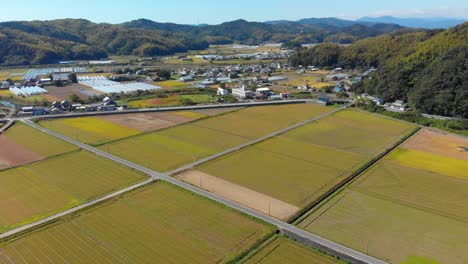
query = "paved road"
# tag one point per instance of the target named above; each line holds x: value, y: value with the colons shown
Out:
x: 7, y: 125
x: 155, y: 175
x: 165, y: 109
x: 324, y: 244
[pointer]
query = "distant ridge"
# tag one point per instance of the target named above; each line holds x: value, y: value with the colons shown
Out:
x: 428, y: 23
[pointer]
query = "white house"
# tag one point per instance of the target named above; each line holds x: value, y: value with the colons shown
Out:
x: 222, y: 92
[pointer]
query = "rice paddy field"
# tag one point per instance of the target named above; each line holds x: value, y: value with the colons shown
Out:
x: 99, y: 130
x: 171, y: 100
x: 171, y: 148
x: 300, y: 166
x: 159, y: 223
x: 413, y: 201
x: 37, y: 141
x: 34, y: 191
x: 284, y: 250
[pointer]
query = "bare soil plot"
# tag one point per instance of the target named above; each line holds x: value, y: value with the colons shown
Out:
x: 147, y: 121
x: 284, y: 250
x: 252, y: 199
x: 64, y: 93
x: 34, y: 191
x: 440, y: 144
x: 159, y: 223
x: 13, y: 154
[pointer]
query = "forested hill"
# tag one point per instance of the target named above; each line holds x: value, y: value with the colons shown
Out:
x: 42, y: 42
x: 429, y: 69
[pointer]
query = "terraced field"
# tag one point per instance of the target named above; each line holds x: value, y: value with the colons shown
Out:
x: 412, y: 201
x: 40, y: 189
x: 159, y: 222
x: 284, y: 250
x: 300, y: 166
x: 170, y: 148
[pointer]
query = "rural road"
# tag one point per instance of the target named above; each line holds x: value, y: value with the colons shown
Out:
x: 322, y: 243
x: 164, y: 109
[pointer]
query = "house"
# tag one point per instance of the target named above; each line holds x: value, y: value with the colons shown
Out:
x: 265, y: 91
x: 242, y: 93
x: 222, y: 91
x: 324, y: 100
x: 4, y: 85
x: 337, y: 77
x: 186, y: 79
x: 398, y: 106
x: 275, y: 97
x: 338, y: 89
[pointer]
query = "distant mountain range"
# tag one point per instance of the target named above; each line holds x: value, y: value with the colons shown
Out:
x: 428, y: 23
x: 46, y: 42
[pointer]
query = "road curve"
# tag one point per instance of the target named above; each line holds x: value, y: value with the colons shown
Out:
x: 324, y: 244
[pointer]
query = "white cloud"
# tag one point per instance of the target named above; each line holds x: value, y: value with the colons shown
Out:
x: 433, y: 12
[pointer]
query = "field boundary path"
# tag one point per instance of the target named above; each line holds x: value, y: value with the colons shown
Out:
x: 305, y: 237
x: 6, y: 126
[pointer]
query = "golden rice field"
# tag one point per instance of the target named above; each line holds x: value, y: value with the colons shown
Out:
x: 37, y: 141
x: 353, y: 131
x: 89, y: 130
x: 412, y: 201
x: 157, y: 223
x: 31, y: 192
x: 255, y: 122
x: 284, y: 250
x: 173, y: 147
x: 5, y: 93
x: 300, y: 166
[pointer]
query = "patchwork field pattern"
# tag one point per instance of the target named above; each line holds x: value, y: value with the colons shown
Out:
x: 300, y: 166
x: 37, y: 141
x: 170, y: 148
x: 159, y: 222
x: 412, y: 201
x: 40, y: 189
x: 284, y: 250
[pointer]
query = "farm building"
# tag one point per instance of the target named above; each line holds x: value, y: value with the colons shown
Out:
x: 28, y: 91
x: 101, y: 84
x: 242, y: 93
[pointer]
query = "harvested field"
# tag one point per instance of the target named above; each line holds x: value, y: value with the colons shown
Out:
x: 284, y: 250
x: 159, y: 222
x: 297, y: 168
x: 147, y: 122
x: 64, y: 93
x: 413, y: 201
x: 37, y: 141
x: 239, y: 194
x: 170, y: 148
x: 89, y: 130
x: 439, y: 144
x: 13, y: 154
x: 40, y: 189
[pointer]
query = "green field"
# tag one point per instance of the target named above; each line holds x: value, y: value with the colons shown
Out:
x: 171, y: 100
x: 412, y: 201
x: 37, y: 141
x: 170, y: 148
x: 284, y: 250
x: 159, y: 223
x: 34, y: 191
x: 89, y: 130
x: 301, y: 165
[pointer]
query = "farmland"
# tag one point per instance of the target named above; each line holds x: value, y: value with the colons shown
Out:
x: 301, y: 165
x: 90, y: 130
x: 284, y: 250
x: 413, y: 200
x: 159, y: 222
x: 171, y: 100
x: 33, y: 191
x: 170, y: 148
x: 37, y: 141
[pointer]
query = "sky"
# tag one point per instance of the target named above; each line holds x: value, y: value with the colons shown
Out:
x: 218, y: 11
